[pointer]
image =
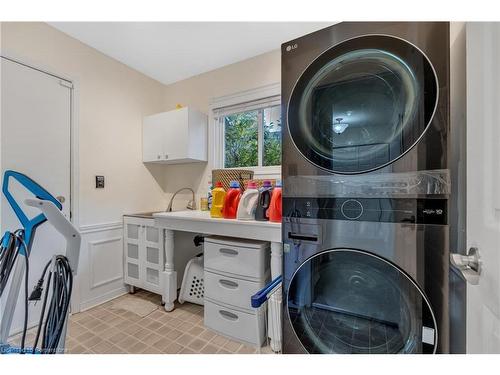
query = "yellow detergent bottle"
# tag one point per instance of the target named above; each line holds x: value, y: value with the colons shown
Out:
x: 218, y: 195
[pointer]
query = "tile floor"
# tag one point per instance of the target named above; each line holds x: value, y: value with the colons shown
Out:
x: 107, y: 330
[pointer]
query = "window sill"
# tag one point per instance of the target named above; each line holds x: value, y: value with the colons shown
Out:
x: 264, y: 172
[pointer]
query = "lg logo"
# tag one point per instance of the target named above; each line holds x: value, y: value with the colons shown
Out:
x: 291, y: 47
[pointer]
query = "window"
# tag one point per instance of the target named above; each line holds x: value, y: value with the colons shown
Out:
x: 253, y: 138
x: 247, y: 131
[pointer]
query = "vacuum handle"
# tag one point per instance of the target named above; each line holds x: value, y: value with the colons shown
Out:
x: 32, y: 187
x: 63, y: 226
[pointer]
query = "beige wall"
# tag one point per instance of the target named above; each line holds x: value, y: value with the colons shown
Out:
x: 111, y: 101
x: 197, y: 91
x: 248, y: 74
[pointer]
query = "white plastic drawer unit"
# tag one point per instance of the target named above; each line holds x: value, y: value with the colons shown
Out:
x: 238, y: 257
x: 143, y: 253
x: 230, y: 290
x: 235, y: 323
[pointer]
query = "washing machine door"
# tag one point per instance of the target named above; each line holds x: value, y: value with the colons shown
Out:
x: 352, y: 301
x: 362, y: 104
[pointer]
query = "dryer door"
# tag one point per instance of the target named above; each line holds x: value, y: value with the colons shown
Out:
x: 351, y: 301
x: 362, y: 104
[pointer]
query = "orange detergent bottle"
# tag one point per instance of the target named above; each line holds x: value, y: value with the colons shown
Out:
x: 231, y: 201
x: 218, y: 196
x: 274, y: 211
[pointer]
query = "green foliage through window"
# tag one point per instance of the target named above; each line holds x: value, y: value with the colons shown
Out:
x: 241, y: 138
x: 272, y: 136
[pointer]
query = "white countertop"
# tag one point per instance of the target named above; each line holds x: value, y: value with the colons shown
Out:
x: 201, y: 222
x: 205, y: 216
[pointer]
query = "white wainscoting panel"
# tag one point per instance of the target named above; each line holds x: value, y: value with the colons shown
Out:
x: 102, y: 256
x: 100, y: 274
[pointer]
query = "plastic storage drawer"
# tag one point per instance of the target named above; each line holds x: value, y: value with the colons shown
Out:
x: 235, y: 323
x: 241, y: 258
x: 230, y: 290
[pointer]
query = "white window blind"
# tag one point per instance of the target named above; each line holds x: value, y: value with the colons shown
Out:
x: 247, y: 106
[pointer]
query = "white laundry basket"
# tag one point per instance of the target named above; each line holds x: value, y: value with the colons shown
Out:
x: 193, y: 288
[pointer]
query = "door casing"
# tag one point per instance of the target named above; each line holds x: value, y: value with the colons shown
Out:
x: 74, y: 148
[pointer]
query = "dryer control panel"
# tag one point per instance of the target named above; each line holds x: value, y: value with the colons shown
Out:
x: 389, y: 210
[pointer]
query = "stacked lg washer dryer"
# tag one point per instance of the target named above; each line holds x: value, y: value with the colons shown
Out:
x: 366, y: 196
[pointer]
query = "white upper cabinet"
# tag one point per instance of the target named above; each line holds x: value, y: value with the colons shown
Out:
x: 175, y: 137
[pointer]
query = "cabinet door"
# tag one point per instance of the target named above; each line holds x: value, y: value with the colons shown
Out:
x: 133, y: 273
x: 153, y: 263
x: 176, y: 140
x: 153, y: 138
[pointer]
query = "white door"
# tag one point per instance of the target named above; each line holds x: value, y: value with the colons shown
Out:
x: 35, y: 140
x: 483, y: 184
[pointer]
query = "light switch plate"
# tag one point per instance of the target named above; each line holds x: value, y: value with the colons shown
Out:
x: 99, y: 182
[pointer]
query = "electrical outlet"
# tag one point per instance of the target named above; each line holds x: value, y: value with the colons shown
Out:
x: 99, y: 182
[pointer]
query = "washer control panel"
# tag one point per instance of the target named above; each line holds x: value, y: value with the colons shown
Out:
x: 351, y: 209
x: 391, y: 210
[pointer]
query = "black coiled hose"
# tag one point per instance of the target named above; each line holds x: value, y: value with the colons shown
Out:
x: 10, y: 247
x: 59, y: 285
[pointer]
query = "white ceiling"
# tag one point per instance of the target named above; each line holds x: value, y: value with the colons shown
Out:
x: 173, y: 51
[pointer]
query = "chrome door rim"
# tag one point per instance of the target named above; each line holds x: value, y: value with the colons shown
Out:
x: 364, y: 252
x: 402, y: 154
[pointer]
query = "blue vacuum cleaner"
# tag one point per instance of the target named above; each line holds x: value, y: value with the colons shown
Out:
x: 15, y: 249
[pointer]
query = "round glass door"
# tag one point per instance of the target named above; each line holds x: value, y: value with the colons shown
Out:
x: 362, y: 104
x: 351, y: 301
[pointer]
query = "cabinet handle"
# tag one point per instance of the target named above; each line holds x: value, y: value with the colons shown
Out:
x: 228, y: 252
x: 166, y: 156
x: 228, y: 284
x: 228, y: 315
x: 159, y: 156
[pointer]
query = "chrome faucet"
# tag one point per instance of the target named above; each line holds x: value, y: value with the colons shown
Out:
x: 191, y: 204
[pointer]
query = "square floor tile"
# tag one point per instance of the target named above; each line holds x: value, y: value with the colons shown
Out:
x: 108, y: 330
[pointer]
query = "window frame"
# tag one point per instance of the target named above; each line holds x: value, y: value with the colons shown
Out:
x: 259, y: 98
